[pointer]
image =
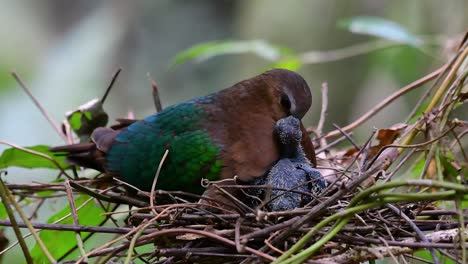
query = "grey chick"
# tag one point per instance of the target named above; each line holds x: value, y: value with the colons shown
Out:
x: 292, y: 178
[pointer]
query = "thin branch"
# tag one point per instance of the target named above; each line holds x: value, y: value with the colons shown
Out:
x: 377, y: 156
x: 155, y: 180
x: 132, y: 245
x: 14, y: 224
x: 386, y: 102
x: 439, y: 93
x: 239, y: 247
x: 210, y: 235
x: 323, y: 112
x: 347, y: 136
x: 155, y: 93
x: 39, y: 106
x: 105, y: 245
x: 75, y: 228
x: 111, y: 84
x: 314, y: 57
x: 71, y: 202
x: 416, y: 230
x: 7, y: 223
x: 18, y: 209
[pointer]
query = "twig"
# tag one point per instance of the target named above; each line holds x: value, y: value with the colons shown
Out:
x: 463, y: 233
x: 18, y: 209
x: 440, y: 92
x: 155, y: 180
x: 347, y: 136
x: 111, y: 84
x: 272, y: 247
x: 333, y: 143
x: 239, y: 247
x: 410, y: 145
x: 450, y: 256
x: 108, y: 196
x: 390, y: 253
x: 239, y: 204
x: 388, y: 176
x: 422, y: 260
x: 323, y: 112
x: 462, y: 150
x: 155, y: 93
x: 415, y: 228
x: 314, y: 57
x: 192, y: 231
x: 46, y: 226
x: 428, y: 91
x: 439, y: 239
x: 347, y: 169
x: 39, y: 106
x: 75, y: 228
x: 207, y: 251
x: 14, y: 224
x: 133, y: 231
x: 132, y: 245
x: 386, y: 102
x: 71, y: 201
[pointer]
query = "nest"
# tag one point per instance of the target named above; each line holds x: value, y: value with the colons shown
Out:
x: 386, y: 197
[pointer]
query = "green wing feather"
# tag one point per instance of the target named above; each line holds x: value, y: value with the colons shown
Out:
x: 193, y: 154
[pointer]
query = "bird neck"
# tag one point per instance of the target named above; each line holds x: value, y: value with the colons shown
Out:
x: 293, y: 151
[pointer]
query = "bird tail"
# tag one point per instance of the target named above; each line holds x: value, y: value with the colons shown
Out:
x: 83, y: 155
x: 91, y: 154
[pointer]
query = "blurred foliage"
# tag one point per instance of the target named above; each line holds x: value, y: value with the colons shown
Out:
x: 261, y: 48
x: 402, y: 62
x: 379, y: 27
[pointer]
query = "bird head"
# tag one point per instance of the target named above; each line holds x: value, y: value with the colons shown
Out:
x: 289, y: 130
x: 294, y: 94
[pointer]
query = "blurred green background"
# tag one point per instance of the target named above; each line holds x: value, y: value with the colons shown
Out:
x: 67, y: 51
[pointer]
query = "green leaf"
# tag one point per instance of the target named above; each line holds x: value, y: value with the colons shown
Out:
x: 380, y: 27
x: 87, y: 118
x: 60, y: 242
x: 88, y: 115
x: 13, y: 157
x: 75, y: 120
x: 206, y: 50
x: 291, y: 63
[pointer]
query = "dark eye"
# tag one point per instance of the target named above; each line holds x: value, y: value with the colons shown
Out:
x: 285, y: 102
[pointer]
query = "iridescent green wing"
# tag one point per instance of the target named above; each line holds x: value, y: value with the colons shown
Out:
x: 137, y: 150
